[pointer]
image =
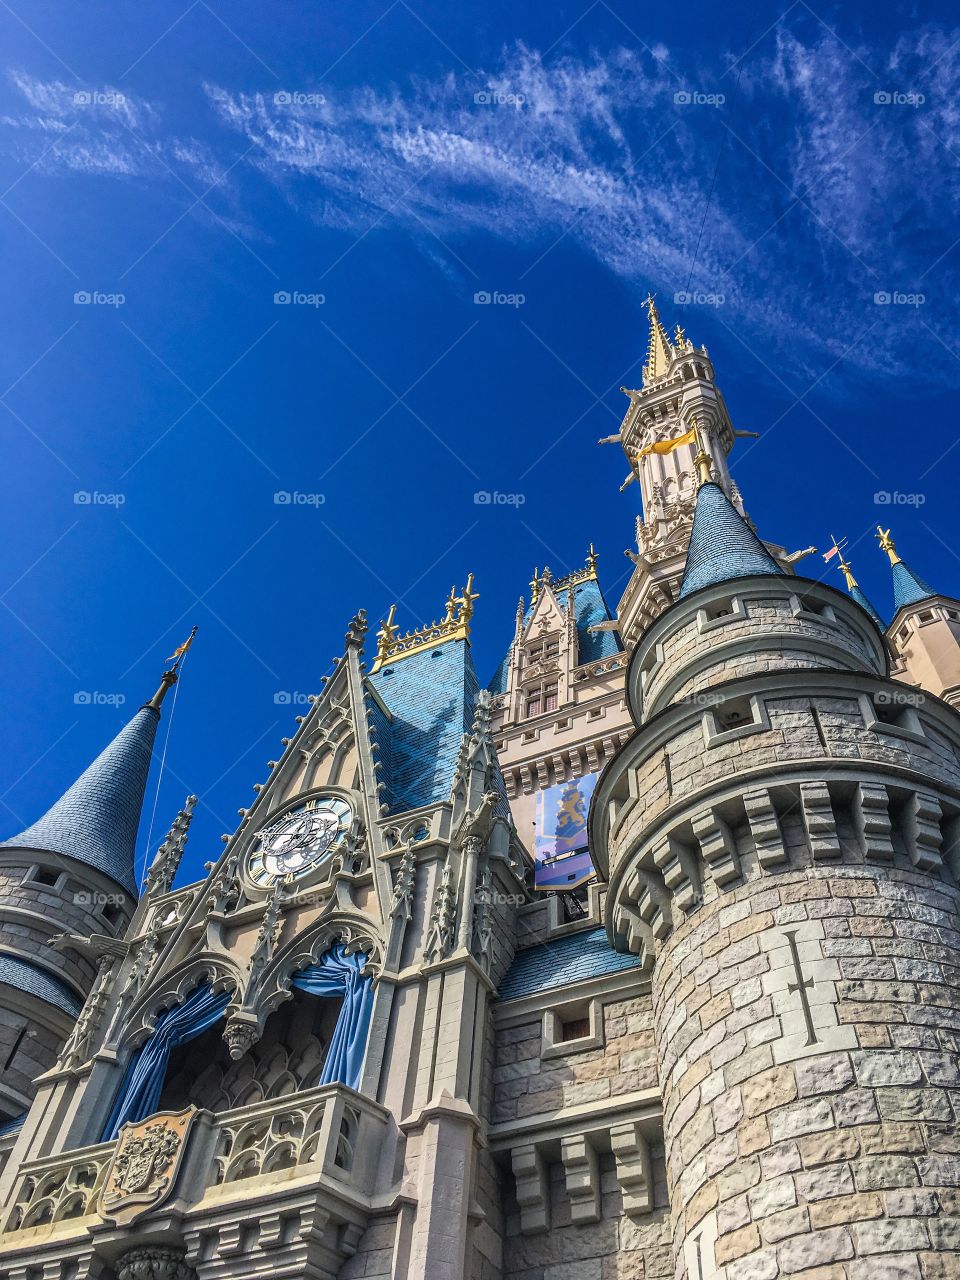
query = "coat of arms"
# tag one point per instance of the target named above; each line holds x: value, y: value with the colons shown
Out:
x: 145, y: 1165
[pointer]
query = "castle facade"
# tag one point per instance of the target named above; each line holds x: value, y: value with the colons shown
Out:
x: 638, y: 962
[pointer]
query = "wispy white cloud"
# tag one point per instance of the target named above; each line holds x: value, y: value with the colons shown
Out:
x: 820, y: 187
x: 97, y: 130
x: 826, y: 192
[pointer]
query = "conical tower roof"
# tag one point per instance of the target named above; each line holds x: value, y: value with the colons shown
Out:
x: 95, y: 821
x: 908, y: 587
x: 854, y: 588
x: 722, y: 544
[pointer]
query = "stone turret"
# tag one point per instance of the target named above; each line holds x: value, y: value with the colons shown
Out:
x: 780, y: 839
x: 924, y: 632
x: 70, y: 872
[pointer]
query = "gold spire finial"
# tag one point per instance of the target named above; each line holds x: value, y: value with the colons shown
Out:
x: 455, y: 625
x: 592, y: 560
x: 535, y: 586
x: 171, y: 675
x: 842, y: 564
x: 451, y: 605
x: 887, y: 544
x: 660, y: 352
x: 466, y: 600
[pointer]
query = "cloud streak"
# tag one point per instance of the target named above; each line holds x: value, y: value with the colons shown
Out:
x: 826, y: 188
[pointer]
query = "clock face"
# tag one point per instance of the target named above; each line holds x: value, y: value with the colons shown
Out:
x: 300, y: 840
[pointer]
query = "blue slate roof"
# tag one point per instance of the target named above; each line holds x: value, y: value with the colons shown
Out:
x: 908, y: 587
x: 431, y: 697
x: 96, y: 820
x: 857, y: 594
x: 554, y: 964
x: 722, y: 544
x: 590, y: 608
x: 20, y: 973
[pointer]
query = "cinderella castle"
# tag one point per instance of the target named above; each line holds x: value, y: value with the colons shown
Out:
x: 641, y: 961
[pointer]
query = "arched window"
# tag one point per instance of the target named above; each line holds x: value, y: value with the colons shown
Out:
x: 339, y: 1020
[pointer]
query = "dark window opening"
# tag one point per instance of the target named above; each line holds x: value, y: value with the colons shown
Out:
x: 288, y: 1058
x: 112, y: 914
x: 45, y: 877
x: 575, y: 1029
x: 16, y: 1046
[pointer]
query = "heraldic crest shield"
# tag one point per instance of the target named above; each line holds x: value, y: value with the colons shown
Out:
x: 145, y: 1164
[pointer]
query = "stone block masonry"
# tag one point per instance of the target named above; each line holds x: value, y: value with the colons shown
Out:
x: 808, y: 1029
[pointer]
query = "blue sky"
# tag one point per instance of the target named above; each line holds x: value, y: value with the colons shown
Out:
x: 181, y: 164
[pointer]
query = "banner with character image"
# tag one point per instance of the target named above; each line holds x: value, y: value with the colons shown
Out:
x: 561, y: 858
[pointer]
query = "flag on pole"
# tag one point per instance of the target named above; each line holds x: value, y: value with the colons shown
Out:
x: 668, y: 446
x: 182, y: 649
x: 834, y: 550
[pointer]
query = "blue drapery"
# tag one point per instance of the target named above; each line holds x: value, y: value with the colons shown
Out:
x: 143, y: 1080
x: 338, y: 974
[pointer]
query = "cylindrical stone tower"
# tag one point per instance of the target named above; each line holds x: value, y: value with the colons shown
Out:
x: 71, y: 872
x: 781, y: 845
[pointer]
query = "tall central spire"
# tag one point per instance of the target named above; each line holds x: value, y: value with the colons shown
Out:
x: 660, y: 351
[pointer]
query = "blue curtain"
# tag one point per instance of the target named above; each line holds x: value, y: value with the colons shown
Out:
x: 143, y: 1081
x: 338, y: 974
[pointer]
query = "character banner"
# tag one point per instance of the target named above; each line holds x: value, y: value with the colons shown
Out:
x: 561, y: 857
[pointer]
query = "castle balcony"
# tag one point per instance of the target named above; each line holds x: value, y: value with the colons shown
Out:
x: 284, y: 1184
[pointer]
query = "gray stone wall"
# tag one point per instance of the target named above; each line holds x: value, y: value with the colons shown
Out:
x: 618, y: 1247
x: 527, y: 1084
x: 836, y: 1159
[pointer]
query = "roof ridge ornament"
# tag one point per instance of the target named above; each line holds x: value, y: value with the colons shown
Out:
x: 455, y: 625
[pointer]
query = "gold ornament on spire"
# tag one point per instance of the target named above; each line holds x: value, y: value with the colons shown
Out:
x: 172, y: 674
x: 842, y: 564
x: 455, y: 625
x: 887, y: 544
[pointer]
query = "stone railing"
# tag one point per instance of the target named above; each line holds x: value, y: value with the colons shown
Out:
x: 329, y: 1127
x: 321, y: 1134
x: 58, y: 1188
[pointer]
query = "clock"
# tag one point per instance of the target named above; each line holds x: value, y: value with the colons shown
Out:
x: 300, y: 840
